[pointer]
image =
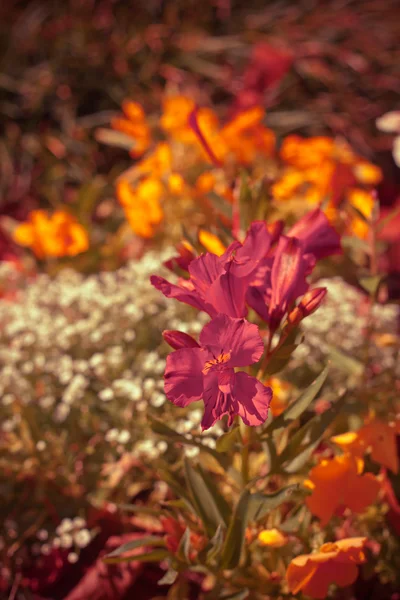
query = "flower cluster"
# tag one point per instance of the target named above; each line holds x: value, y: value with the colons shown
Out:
x: 199, y: 160
x: 56, y: 235
x: 321, y: 170
x: 267, y: 272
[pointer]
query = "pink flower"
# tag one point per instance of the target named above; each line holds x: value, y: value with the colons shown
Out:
x: 318, y: 236
x: 280, y: 280
x: 208, y: 373
x: 218, y: 284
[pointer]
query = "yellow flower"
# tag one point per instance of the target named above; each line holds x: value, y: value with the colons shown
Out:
x: 333, y: 563
x: 142, y: 205
x: 272, y: 538
x: 176, y: 184
x: 363, y: 201
x: 211, y: 242
x: 57, y: 235
x: 368, y: 173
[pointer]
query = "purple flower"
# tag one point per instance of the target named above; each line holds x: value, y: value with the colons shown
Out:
x: 208, y: 373
x: 218, y: 284
x: 317, y: 235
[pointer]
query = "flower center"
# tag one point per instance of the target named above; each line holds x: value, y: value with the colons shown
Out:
x: 215, y: 362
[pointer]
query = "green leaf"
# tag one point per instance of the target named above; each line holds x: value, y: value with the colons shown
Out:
x: 262, y: 504
x: 153, y: 556
x: 151, y: 540
x: 168, y: 578
x: 203, y: 500
x: 114, y: 138
x: 137, y: 508
x: 297, y: 520
x: 235, y: 535
x: 222, y: 505
x: 371, y: 283
x: 306, y: 439
x: 245, y: 202
x: 163, y: 430
x: 228, y: 440
x: 183, y: 551
x: 355, y: 243
x: 346, y: 363
x: 280, y: 357
x: 214, y: 546
x: 299, y: 406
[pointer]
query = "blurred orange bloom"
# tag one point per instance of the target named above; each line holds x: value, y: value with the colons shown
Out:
x: 376, y: 437
x: 335, y: 562
x: 134, y: 125
x: 142, y: 205
x: 280, y: 394
x: 211, y: 242
x: 339, y: 482
x: 158, y: 163
x: 272, y: 538
x: 363, y: 201
x: 245, y: 136
x: 57, y: 235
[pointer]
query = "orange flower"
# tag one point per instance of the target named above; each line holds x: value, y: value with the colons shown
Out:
x: 304, y: 153
x: 57, y: 235
x: 363, y: 201
x: 142, y: 205
x: 175, y: 120
x: 338, y: 482
x: 245, y: 136
x: 368, y: 173
x: 333, y: 563
x: 158, y: 163
x: 377, y: 437
x: 280, y: 394
x: 272, y: 538
x: 135, y: 126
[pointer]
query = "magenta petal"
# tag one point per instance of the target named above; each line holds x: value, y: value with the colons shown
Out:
x: 204, y: 270
x: 317, y: 234
x: 183, y: 377
x: 227, y: 295
x: 287, y: 277
x: 250, y: 399
x: 255, y: 247
x: 181, y: 293
x: 237, y: 337
x: 216, y: 402
x: 178, y: 339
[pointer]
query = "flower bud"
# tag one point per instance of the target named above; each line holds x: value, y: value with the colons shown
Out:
x: 309, y: 304
x: 178, y: 339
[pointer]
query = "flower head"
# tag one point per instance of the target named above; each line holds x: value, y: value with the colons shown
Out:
x: 218, y: 284
x: 335, y: 562
x: 142, y: 205
x: 208, y: 373
x: 134, y: 125
x: 339, y: 482
x: 59, y: 234
x: 377, y: 437
x: 272, y: 538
